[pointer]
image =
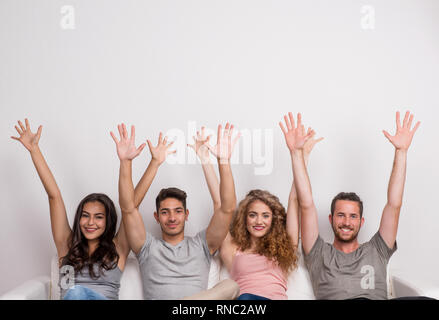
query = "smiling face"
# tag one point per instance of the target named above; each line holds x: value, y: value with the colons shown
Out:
x: 93, y: 220
x: 259, y: 219
x: 346, y: 220
x: 171, y: 216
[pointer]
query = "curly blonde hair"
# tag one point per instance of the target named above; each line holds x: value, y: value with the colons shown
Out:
x: 276, y: 244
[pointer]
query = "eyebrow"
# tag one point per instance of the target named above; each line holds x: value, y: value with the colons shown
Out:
x: 266, y: 212
x: 99, y: 213
x: 169, y: 209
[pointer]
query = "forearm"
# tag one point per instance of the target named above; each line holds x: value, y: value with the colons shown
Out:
x: 395, y: 190
x: 212, y: 183
x: 45, y: 174
x: 145, y: 182
x: 301, y: 179
x: 293, y: 214
x: 226, y: 188
x: 126, y: 187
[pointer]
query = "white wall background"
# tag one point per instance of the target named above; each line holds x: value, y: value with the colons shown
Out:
x: 162, y: 64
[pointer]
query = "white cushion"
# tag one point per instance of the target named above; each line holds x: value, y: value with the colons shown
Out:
x: 131, y: 281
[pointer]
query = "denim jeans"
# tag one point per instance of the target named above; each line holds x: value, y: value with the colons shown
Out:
x: 249, y: 296
x: 78, y: 292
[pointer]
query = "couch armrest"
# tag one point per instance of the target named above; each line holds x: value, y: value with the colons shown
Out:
x: 403, y: 288
x: 34, y: 289
x: 407, y: 283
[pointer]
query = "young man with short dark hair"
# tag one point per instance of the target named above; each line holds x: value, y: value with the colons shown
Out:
x: 347, y: 269
x: 176, y: 266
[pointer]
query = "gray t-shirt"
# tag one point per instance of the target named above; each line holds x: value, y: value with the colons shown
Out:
x: 360, y: 274
x: 174, y: 272
x: 107, y: 284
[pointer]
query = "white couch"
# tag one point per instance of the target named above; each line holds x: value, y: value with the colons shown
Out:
x: 299, y: 284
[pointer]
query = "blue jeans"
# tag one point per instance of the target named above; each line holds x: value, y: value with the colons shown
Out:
x: 249, y: 296
x: 78, y: 292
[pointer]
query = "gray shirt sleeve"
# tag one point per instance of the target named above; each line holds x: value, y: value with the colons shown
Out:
x: 200, y: 238
x: 383, y: 250
x: 315, y: 256
x: 144, y: 252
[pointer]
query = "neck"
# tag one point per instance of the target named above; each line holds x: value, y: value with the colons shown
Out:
x: 254, y: 243
x: 346, y: 247
x: 173, y: 239
x: 92, y: 245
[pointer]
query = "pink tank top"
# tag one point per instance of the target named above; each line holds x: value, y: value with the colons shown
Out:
x: 258, y: 275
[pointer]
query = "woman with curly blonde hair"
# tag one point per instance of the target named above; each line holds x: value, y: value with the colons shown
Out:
x: 261, y: 248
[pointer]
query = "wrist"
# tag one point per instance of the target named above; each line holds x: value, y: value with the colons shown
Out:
x: 297, y: 152
x: 126, y: 161
x: 223, y: 161
x: 306, y: 159
x: 203, y: 157
x: 401, y: 150
x: 155, y: 163
x: 34, y: 149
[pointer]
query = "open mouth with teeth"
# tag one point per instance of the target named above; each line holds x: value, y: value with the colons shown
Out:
x: 258, y: 228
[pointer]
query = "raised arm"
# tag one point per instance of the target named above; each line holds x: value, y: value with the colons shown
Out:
x: 220, y: 221
x: 401, y: 141
x: 134, y: 228
x: 202, y: 151
x: 158, y: 156
x: 296, y: 138
x: 61, y: 230
x: 293, y: 205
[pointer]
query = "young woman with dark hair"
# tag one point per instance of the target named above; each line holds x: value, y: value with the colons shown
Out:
x: 92, y: 255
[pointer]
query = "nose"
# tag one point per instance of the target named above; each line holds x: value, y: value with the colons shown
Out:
x: 90, y: 221
x: 172, y: 216
x: 347, y: 221
x: 259, y: 219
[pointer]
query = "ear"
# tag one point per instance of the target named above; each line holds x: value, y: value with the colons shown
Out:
x: 330, y: 218
x: 187, y: 214
x: 362, y: 222
x: 156, y: 216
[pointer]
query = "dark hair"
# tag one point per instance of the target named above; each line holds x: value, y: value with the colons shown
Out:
x: 105, y: 255
x: 171, y: 193
x: 350, y: 196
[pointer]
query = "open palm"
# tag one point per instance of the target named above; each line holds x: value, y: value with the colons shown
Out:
x: 126, y: 149
x: 27, y: 137
x: 403, y: 136
x: 224, y: 146
x: 200, y: 145
x: 295, y: 136
x: 161, y: 150
x: 309, y: 144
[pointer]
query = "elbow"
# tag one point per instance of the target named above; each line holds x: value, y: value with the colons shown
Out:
x: 54, y: 195
x: 394, y: 205
x: 216, y: 204
x: 127, y: 209
x: 306, y: 205
x: 229, y: 210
